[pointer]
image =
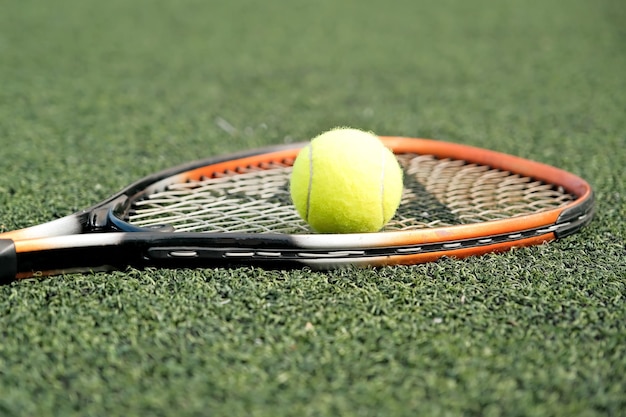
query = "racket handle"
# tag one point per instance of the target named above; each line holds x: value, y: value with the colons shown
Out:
x: 8, y: 261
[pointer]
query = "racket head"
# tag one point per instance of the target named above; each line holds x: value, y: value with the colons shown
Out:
x: 458, y: 200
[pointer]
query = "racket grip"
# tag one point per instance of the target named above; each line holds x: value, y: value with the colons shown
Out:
x: 8, y: 261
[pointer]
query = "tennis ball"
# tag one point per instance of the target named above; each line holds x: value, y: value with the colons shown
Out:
x: 346, y: 181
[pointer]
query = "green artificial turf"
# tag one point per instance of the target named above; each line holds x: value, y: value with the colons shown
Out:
x: 96, y: 94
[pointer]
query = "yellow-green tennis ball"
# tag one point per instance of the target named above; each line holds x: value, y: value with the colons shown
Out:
x: 346, y: 181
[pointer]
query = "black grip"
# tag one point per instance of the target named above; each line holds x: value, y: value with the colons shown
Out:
x: 8, y: 261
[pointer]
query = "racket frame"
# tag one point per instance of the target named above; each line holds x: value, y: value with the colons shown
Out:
x: 98, y: 233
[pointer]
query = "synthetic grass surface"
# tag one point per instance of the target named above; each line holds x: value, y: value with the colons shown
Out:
x: 96, y: 94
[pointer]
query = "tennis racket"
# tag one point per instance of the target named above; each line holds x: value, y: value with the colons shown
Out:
x: 232, y: 210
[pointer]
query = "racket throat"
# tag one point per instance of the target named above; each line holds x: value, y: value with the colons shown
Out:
x: 113, y: 215
x: 99, y: 218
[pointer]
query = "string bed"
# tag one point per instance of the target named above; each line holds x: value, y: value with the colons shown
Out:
x: 437, y: 192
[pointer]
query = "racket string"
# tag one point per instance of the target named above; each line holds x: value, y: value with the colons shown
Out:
x: 477, y: 193
x: 249, y: 200
x: 256, y: 199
